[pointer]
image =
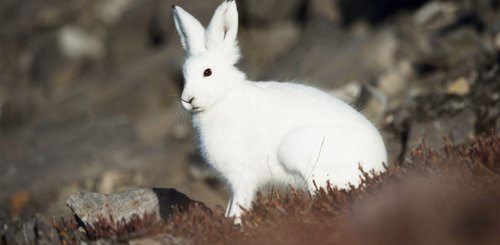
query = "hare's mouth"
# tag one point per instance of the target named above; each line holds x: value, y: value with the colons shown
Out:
x: 190, y: 107
x: 197, y: 109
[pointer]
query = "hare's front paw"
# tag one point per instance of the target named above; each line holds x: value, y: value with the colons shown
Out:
x: 240, y: 200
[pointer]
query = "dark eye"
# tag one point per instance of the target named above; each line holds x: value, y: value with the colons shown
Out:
x: 207, y: 72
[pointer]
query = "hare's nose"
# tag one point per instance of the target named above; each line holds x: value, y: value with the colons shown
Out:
x: 189, y: 100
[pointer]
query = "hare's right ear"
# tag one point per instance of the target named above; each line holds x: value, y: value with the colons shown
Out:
x: 222, y: 31
x: 190, y: 30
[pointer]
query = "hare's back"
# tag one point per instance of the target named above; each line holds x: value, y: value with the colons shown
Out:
x: 311, y: 104
x: 299, y: 105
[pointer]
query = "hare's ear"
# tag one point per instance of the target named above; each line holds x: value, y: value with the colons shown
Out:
x: 222, y: 30
x: 190, y: 30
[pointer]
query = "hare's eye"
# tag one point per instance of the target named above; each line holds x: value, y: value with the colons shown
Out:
x: 207, y: 72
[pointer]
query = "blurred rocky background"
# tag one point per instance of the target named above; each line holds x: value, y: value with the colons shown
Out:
x: 89, y: 89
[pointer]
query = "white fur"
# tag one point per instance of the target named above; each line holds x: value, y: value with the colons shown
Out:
x: 254, y: 133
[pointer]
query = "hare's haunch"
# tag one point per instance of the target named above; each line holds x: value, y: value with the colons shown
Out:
x: 254, y: 133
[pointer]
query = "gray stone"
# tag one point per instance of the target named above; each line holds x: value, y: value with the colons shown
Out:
x: 77, y: 43
x: 26, y: 234
x: 34, y: 230
x: 89, y: 207
x: 439, y: 12
x: 459, y: 128
x: 349, y: 93
x: 163, y: 239
x: 395, y: 83
x: 46, y: 234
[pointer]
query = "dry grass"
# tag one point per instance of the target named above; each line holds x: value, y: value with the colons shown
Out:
x: 446, y: 197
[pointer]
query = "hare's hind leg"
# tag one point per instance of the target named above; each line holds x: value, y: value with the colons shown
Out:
x: 319, y: 155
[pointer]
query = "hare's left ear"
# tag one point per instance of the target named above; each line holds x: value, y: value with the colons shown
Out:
x: 190, y: 30
x: 222, y: 31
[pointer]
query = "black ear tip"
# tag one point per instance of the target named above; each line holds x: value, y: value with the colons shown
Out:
x: 173, y: 6
x: 229, y: 1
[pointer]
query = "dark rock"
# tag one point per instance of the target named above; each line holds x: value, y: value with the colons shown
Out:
x: 261, y: 12
x: 458, y: 128
x: 374, y: 11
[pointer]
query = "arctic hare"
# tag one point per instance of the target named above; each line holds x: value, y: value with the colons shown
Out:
x: 254, y: 133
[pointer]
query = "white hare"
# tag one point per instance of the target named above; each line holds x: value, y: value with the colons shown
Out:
x: 254, y: 133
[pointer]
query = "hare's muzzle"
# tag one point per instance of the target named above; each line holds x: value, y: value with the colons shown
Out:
x: 189, y: 106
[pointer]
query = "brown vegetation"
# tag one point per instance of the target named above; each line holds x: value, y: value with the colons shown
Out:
x: 445, y: 197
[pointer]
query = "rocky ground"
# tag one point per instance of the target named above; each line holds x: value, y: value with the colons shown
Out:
x: 89, y: 89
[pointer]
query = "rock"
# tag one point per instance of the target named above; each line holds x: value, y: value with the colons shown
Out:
x: 460, y: 45
x: 46, y: 234
x: 89, y: 207
x: 373, y: 103
x: 459, y: 87
x: 77, y: 43
x: 374, y: 11
x: 159, y: 240
x: 35, y: 230
x: 92, y: 29
x: 460, y: 128
x: 365, y: 98
x: 117, y: 180
x: 433, y: 10
x: 111, y: 11
x: 393, y: 146
x: 497, y: 41
x: 349, y: 93
x: 260, y: 12
x: 325, y: 10
x: 395, y: 82
x: 26, y: 234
